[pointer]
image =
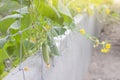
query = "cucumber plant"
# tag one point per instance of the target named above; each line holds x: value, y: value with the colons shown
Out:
x: 34, y: 26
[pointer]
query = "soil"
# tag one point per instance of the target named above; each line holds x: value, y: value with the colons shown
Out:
x: 106, y: 66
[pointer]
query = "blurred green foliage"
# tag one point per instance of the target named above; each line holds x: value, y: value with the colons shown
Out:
x: 6, y: 6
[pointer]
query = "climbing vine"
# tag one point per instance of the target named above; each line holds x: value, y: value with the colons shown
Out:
x: 34, y: 26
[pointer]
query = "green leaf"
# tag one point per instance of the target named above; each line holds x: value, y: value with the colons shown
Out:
x: 53, y: 32
x: 58, y: 14
x: 4, y: 25
x: 64, y: 9
x: 1, y: 69
x: 3, y: 41
x: 13, y: 16
x: 65, y: 13
x: 56, y: 31
x: 7, y: 21
x: 60, y: 30
x: 15, y: 25
x: 46, y: 11
x: 25, y: 2
x: 23, y: 10
x: 29, y: 45
x: 26, y: 21
x: 3, y: 55
x: 3, y: 75
x: 52, y: 46
x: 10, y: 46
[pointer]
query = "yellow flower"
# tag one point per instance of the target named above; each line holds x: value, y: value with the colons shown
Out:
x: 25, y: 68
x: 107, y: 11
x: 104, y: 50
x: 32, y: 39
x: 108, y: 46
x: 47, y: 27
x: 96, y: 43
x: 78, y: 9
x: 48, y: 66
x: 82, y: 31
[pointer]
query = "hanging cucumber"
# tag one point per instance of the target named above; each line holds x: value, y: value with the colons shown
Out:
x: 45, y: 53
x: 52, y: 45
